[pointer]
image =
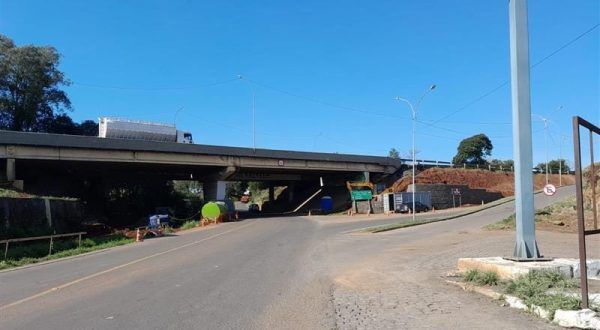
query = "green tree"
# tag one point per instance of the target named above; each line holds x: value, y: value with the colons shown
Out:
x: 506, y: 165
x: 394, y: 153
x: 30, y: 87
x: 62, y: 124
x: 554, y: 166
x: 235, y: 189
x: 88, y: 127
x: 473, y: 150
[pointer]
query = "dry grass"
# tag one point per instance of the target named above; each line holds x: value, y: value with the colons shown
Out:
x: 562, y: 216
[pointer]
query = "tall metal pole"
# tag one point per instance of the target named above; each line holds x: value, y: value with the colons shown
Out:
x: 525, y: 246
x: 414, y: 159
x: 560, y: 161
x: 413, y: 111
x: 546, y: 146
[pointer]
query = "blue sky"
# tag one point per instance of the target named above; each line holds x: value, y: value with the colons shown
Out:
x: 325, y: 73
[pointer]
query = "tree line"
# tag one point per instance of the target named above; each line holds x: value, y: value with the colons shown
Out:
x: 475, y: 150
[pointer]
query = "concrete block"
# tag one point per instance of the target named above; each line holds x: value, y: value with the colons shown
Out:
x: 508, y: 269
x: 18, y: 184
x: 593, y: 267
x: 583, y: 319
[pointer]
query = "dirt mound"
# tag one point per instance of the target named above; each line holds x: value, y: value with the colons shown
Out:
x: 501, y: 182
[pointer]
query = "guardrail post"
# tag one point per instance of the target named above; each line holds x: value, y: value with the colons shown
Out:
x: 6, y: 250
x: 79, y: 242
x: 50, y: 250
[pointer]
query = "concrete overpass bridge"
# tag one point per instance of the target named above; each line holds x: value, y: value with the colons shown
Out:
x: 40, y: 156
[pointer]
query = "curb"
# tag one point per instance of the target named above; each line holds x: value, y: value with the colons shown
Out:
x: 483, y: 208
x: 582, y: 319
x: 426, y: 221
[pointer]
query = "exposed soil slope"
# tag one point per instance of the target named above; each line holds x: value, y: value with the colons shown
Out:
x: 501, y: 182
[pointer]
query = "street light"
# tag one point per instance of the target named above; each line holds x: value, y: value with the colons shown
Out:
x: 253, y: 112
x: 175, y: 116
x: 546, y: 120
x: 560, y: 160
x: 413, y: 111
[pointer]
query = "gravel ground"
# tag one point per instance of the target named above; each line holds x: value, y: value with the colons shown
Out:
x: 395, y: 280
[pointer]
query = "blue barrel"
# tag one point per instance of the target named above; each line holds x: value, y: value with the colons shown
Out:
x: 326, y: 204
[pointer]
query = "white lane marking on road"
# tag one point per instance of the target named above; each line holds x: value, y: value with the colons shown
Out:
x: 79, y: 280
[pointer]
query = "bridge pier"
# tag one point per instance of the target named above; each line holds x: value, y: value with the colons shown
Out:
x: 290, y: 191
x: 271, y: 192
x: 11, y: 170
x: 214, y: 190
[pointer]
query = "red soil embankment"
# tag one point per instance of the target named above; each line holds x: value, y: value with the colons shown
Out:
x: 501, y: 182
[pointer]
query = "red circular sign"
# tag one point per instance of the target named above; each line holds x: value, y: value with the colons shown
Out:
x: 549, y: 189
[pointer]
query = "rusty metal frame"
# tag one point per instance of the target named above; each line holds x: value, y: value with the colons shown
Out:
x: 582, y: 231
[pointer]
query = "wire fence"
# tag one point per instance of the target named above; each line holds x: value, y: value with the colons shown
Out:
x: 51, y: 239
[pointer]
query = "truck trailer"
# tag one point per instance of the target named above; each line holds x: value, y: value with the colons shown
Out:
x: 116, y: 128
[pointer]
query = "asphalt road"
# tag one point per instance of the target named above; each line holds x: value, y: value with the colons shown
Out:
x: 291, y: 272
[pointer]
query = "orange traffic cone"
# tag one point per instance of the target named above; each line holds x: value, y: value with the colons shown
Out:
x: 138, y: 236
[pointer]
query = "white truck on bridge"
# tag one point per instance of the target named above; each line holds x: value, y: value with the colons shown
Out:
x: 117, y: 128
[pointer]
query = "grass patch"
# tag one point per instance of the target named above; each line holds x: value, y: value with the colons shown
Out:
x: 506, y: 223
x: 544, y: 289
x: 189, y: 225
x: 562, y: 212
x: 167, y: 230
x: 21, y: 255
x: 482, y: 278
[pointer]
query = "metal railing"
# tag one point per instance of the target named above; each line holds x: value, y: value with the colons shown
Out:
x: 582, y: 231
x: 6, y: 242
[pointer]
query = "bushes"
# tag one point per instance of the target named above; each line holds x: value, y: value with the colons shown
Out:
x: 482, y: 278
x: 189, y: 225
x: 37, y: 251
x: 545, y: 289
x: 548, y: 290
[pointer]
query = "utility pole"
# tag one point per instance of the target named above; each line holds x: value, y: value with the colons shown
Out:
x: 525, y: 246
x: 546, y: 145
x: 560, y: 160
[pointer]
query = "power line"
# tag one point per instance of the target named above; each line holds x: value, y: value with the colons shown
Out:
x: 500, y: 86
x: 150, y: 89
x: 325, y: 103
x: 473, y: 122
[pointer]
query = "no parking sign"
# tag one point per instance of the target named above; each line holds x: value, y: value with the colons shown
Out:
x: 549, y: 189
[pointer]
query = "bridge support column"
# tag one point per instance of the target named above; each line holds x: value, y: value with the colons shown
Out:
x: 367, y: 176
x: 290, y: 190
x: 271, y: 192
x: 11, y: 170
x: 214, y: 190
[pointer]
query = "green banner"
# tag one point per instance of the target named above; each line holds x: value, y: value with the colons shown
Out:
x: 361, y: 195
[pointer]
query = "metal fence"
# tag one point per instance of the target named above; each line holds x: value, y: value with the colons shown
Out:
x: 7, y: 242
x: 579, y: 123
